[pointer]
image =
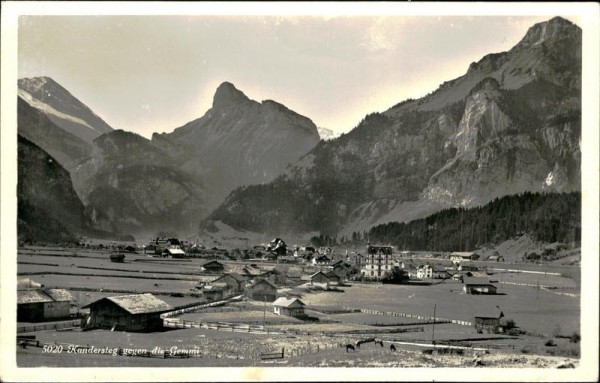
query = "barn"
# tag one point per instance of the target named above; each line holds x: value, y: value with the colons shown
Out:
x: 173, y: 253
x: 234, y: 282
x: 319, y: 277
x: 43, y: 304
x: 293, y: 307
x: 213, y: 267
x: 135, y: 312
x: 262, y: 290
x: 489, y: 321
x: 474, y: 285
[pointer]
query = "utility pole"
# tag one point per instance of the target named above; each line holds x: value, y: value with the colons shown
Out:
x: 433, y: 329
x: 264, y: 311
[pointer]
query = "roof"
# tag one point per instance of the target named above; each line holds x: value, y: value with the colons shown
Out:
x: 212, y: 261
x: 490, y: 313
x: 259, y: 281
x: 32, y: 296
x: 216, y: 286
x: 462, y: 253
x: 137, y: 303
x: 175, y: 251
x: 60, y: 295
x: 317, y: 273
x: 42, y: 296
x: 477, y: 281
x: 288, y: 302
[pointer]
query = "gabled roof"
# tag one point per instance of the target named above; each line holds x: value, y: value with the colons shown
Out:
x: 259, y: 281
x: 495, y: 313
x: 477, y: 281
x: 212, y: 261
x: 43, y: 295
x: 32, y: 296
x: 60, y: 295
x: 317, y: 273
x: 288, y: 302
x: 137, y: 303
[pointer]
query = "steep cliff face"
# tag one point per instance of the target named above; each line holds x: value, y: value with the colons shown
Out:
x: 239, y: 142
x: 511, y: 124
x: 34, y: 125
x: 48, y: 207
x: 136, y: 187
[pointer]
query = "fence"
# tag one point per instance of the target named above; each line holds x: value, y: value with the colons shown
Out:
x: 49, y: 326
x: 219, y: 326
x: 196, y: 307
x: 414, y: 316
x: 275, y: 355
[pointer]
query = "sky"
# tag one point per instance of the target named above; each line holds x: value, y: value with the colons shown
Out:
x: 149, y: 74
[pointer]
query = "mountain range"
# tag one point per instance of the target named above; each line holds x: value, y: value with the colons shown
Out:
x: 511, y: 124
x: 129, y: 184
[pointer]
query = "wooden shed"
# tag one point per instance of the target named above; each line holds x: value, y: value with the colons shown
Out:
x: 213, y: 267
x: 293, y: 307
x: 135, y: 312
x: 262, y: 290
x: 475, y: 285
x: 36, y: 305
x: 234, y: 281
x: 488, y: 320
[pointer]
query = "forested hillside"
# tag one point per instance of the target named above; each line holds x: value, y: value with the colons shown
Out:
x: 554, y: 217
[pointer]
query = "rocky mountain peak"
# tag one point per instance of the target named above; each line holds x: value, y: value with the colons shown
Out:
x: 554, y: 29
x: 227, y: 94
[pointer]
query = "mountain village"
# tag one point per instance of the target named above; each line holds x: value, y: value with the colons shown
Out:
x: 443, y: 232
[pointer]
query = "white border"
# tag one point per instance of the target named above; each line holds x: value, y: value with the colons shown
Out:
x: 589, y: 16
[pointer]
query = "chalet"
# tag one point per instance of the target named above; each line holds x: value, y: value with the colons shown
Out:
x: 495, y: 258
x: 275, y: 276
x: 333, y: 277
x: 262, y: 290
x: 135, y: 312
x: 319, y: 277
x: 460, y: 256
x: 150, y: 249
x: 457, y: 277
x: 160, y: 244
x: 412, y: 272
x: 474, y: 285
x: 216, y: 291
x: 488, y: 320
x: 233, y: 281
x: 173, y: 253
x: 432, y: 272
x: 213, y: 267
x: 341, y: 268
x: 277, y: 246
x: 293, y: 307
x: 36, y: 305
x: 321, y: 260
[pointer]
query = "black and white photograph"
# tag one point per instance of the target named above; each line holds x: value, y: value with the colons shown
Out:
x: 335, y: 191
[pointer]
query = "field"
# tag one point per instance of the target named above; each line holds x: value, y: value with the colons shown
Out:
x: 535, y: 301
